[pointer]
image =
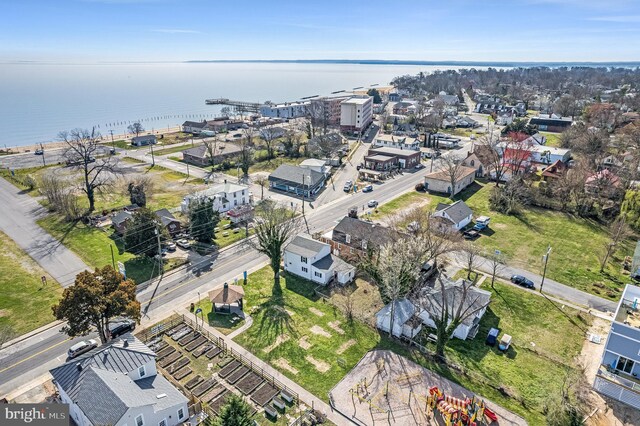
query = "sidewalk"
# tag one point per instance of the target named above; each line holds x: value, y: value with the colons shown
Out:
x: 305, y: 396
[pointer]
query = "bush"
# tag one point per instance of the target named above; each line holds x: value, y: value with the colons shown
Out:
x: 420, y: 187
x: 29, y: 182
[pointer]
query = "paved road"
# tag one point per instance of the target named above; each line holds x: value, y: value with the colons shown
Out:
x: 17, y: 220
x: 29, y: 159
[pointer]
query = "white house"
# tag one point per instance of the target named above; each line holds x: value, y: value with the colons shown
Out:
x: 457, y: 214
x: 314, y: 164
x: 225, y: 196
x: 476, y: 301
x: 404, y: 323
x: 356, y: 113
x: 312, y: 259
x: 118, y: 384
x: 401, y: 142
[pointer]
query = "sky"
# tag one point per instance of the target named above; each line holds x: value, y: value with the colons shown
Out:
x: 179, y: 30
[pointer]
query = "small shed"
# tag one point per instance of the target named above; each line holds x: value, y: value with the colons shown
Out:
x: 226, y: 297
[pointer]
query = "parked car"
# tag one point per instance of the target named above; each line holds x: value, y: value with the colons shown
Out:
x: 81, y: 347
x: 112, y: 151
x: 471, y: 234
x: 171, y: 247
x: 482, y: 223
x: 505, y: 342
x: 419, y: 166
x: 38, y: 152
x: 183, y: 243
x: 367, y: 188
x: 347, y: 186
x: 372, y: 203
x: 492, y: 337
x: 121, y: 327
x: 522, y: 281
x: 237, y: 135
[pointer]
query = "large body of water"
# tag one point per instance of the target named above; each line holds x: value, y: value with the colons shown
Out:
x: 37, y: 101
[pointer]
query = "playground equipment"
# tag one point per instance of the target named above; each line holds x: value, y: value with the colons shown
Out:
x: 459, y: 412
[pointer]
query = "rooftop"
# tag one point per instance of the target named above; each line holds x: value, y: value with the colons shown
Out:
x: 393, y: 151
x: 628, y: 311
x: 443, y: 175
x: 356, y: 100
x: 305, y: 245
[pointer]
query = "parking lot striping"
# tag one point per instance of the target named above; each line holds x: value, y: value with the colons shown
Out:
x: 34, y: 355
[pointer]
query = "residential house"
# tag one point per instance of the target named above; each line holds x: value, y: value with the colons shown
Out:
x: 351, y: 238
x: 119, y: 221
x: 401, y: 142
x: 478, y: 161
x: 448, y: 100
x: 551, y: 123
x: 475, y: 300
x: 118, y: 384
x: 356, y: 113
x: 406, y: 158
x: 193, y: 127
x: 401, y: 316
x: 241, y: 214
x: 554, y: 171
x: 319, y: 166
x: 168, y: 221
x: 394, y: 96
x: 201, y: 155
x: 617, y: 376
x: 440, y: 181
x: 225, y: 196
x: 466, y: 122
x: 405, y: 108
x: 457, y: 215
x: 534, y: 152
x: 312, y: 259
x: 505, y: 118
x: 285, y: 110
x: 603, y: 183
x: 144, y: 140
x: 297, y: 180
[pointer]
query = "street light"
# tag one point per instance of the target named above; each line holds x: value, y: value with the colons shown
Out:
x: 545, y: 259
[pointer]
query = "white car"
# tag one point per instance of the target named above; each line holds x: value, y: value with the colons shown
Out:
x: 184, y: 243
x: 372, y: 203
x: 82, y: 347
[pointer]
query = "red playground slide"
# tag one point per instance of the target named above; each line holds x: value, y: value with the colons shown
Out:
x: 490, y: 415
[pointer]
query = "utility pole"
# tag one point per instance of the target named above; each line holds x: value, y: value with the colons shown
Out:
x: 113, y: 259
x: 159, y: 251
x: 113, y: 144
x: 545, y: 259
x: 153, y: 159
x: 44, y: 163
x: 303, y: 196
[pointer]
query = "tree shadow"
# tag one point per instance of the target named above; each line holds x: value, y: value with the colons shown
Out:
x: 300, y: 286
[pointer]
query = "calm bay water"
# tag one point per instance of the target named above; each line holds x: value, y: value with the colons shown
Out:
x: 40, y: 100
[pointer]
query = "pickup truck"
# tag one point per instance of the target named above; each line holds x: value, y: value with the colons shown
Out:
x: 482, y: 223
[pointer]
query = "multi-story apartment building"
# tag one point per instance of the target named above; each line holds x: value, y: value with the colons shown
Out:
x: 356, y: 113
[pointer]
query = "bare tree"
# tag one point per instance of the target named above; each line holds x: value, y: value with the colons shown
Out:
x: 139, y: 189
x: 262, y: 180
x: 326, y: 145
x: 618, y: 231
x: 269, y: 136
x: 318, y: 115
x: 489, y: 148
x: 81, y: 151
x: 275, y: 225
x: 449, y: 304
x: 135, y: 128
x: 60, y: 196
x: 497, y: 264
x: 471, y: 254
x: 347, y: 303
x: 454, y: 169
x: 291, y: 142
x: 246, y: 154
x: 211, y: 146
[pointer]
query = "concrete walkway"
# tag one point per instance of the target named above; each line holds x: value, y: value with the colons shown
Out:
x: 18, y: 221
x: 305, y: 396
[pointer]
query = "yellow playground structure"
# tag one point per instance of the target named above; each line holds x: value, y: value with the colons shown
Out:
x: 459, y: 412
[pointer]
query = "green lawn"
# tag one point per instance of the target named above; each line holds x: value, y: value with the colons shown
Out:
x: 225, y: 324
x: 577, y: 244
x: 94, y: 248
x: 267, y: 165
x: 174, y: 149
x: 408, y: 201
x: 232, y: 237
x: 291, y: 317
x: 553, y: 139
x: 25, y: 303
x: 18, y: 176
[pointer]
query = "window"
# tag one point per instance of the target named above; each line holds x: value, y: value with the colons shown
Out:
x: 235, y: 194
x: 163, y: 422
x: 180, y: 414
x: 142, y: 372
x: 347, y: 238
x: 304, y: 269
x: 303, y: 259
x: 625, y: 365
x: 318, y: 274
x: 139, y: 420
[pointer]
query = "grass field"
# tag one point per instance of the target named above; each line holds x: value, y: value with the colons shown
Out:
x: 553, y: 139
x: 267, y: 165
x: 25, y: 303
x: 408, y: 201
x: 174, y: 149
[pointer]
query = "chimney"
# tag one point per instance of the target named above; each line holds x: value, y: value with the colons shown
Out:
x: 225, y: 181
x: 79, y: 366
x: 126, y: 343
x: 226, y: 285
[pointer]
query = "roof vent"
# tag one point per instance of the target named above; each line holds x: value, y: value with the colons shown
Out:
x: 126, y: 343
x: 162, y: 395
x: 79, y: 366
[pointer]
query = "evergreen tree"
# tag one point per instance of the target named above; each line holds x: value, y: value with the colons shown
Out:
x: 140, y: 235
x: 202, y: 220
x: 235, y: 412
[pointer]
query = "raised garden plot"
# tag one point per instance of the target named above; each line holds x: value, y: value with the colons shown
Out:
x: 202, y: 350
x: 188, y: 338
x: 263, y: 395
x: 175, y: 328
x: 249, y: 383
x: 213, y: 393
x: 203, y: 387
x: 158, y: 346
x: 170, y: 359
x: 181, y: 333
x: 196, y: 343
x: 178, y: 365
x: 193, y: 382
x: 213, y: 353
x: 217, y: 404
x: 238, y: 374
x: 229, y: 368
x: 183, y: 373
x: 166, y: 352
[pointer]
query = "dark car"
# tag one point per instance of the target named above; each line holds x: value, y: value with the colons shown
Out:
x: 472, y: 234
x: 121, y: 327
x: 522, y: 281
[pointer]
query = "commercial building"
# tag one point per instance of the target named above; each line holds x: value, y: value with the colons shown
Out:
x: 617, y: 376
x: 551, y: 123
x: 406, y: 158
x: 356, y: 114
x: 297, y: 180
x: 285, y: 110
x: 201, y: 155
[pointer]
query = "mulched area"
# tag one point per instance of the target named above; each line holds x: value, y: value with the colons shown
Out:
x: 166, y: 352
x: 214, y: 393
x: 202, y: 350
x: 264, y: 394
x: 195, y: 381
x: 229, y: 368
x: 217, y: 404
x: 203, y: 387
x: 183, y: 373
x: 178, y: 365
x: 196, y: 343
x: 180, y: 333
x: 249, y: 383
x: 238, y: 374
x: 188, y: 338
x: 213, y: 353
x: 170, y: 359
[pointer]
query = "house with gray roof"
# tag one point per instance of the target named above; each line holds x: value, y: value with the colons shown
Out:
x: 313, y: 260
x: 458, y: 214
x: 118, y: 384
x: 144, y: 140
x: 298, y: 180
x: 119, y: 221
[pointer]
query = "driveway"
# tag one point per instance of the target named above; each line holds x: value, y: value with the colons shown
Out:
x: 18, y: 221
